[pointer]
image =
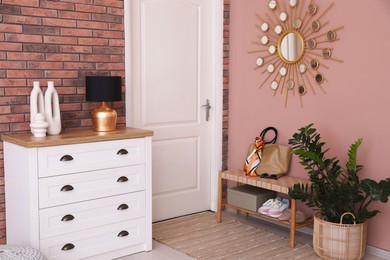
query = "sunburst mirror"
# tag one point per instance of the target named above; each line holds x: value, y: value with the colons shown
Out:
x: 295, y: 43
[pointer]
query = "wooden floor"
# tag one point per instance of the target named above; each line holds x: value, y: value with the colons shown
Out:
x: 163, y: 252
x: 159, y: 252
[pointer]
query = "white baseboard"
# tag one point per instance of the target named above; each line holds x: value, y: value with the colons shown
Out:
x: 309, y: 231
x: 378, y: 252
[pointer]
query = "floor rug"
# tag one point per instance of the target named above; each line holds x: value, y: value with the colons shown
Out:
x: 201, y: 237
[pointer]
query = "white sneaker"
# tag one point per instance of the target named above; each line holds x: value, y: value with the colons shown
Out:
x: 277, y: 209
x: 267, y: 205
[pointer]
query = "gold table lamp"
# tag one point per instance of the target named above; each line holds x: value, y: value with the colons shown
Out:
x: 103, y: 89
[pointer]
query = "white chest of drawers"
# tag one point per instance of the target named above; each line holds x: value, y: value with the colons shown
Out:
x: 79, y: 195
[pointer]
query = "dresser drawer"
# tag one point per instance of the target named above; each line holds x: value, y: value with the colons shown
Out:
x: 65, y: 159
x: 84, y: 186
x: 94, y: 241
x: 84, y: 215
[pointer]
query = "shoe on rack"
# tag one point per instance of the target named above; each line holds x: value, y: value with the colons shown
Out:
x: 277, y: 209
x: 286, y: 215
x: 267, y: 205
x: 300, y: 217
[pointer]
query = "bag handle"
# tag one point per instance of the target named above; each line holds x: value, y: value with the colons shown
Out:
x: 265, y: 131
x: 347, y: 213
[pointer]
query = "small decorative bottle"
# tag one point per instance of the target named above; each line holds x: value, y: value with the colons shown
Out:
x: 36, y: 102
x: 52, y: 110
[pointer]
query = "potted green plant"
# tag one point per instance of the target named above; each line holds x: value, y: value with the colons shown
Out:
x: 338, y: 194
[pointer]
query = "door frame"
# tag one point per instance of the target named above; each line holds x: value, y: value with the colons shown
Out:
x: 216, y: 112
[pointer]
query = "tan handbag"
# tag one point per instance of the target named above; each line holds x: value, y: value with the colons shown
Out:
x: 271, y: 160
x: 275, y: 160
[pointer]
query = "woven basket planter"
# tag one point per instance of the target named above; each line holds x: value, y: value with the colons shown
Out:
x: 339, y: 241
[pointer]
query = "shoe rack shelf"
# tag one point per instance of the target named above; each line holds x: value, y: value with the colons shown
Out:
x: 280, y: 185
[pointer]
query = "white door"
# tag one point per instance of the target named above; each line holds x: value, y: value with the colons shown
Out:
x: 171, y: 81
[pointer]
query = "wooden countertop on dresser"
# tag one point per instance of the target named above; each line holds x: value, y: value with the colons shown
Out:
x: 75, y: 136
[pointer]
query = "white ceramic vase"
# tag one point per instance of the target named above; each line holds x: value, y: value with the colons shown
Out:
x: 39, y: 126
x: 36, y: 102
x: 52, y: 110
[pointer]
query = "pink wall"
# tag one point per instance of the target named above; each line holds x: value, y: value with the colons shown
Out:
x: 357, y: 103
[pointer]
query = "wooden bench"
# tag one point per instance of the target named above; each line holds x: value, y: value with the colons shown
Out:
x: 280, y: 185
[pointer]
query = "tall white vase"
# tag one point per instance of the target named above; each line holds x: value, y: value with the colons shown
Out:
x: 52, y: 110
x: 36, y: 102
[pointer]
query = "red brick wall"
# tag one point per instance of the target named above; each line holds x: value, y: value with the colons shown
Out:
x: 62, y: 41
x: 226, y: 61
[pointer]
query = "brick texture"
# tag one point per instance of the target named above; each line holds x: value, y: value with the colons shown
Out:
x: 60, y: 41
x: 226, y: 62
x: 64, y: 41
x: 226, y: 24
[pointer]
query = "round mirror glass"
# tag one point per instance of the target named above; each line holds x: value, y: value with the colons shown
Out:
x: 293, y: 3
x: 278, y: 29
x: 283, y: 16
x: 291, y: 47
x: 259, y: 61
x: 302, y: 68
x: 272, y: 49
x: 272, y: 4
x: 312, y: 9
x: 314, y: 64
x: 319, y: 78
x: 264, y: 40
x: 326, y: 53
x: 297, y: 23
x: 274, y: 85
x: 290, y: 84
x: 271, y: 68
x: 315, y: 26
x: 311, y: 44
x: 301, y: 90
x: 264, y: 27
x: 283, y: 71
x: 331, y: 36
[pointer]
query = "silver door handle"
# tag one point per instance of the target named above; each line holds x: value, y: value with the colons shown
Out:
x: 207, y: 106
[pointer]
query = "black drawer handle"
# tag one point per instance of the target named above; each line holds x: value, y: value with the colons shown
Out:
x: 67, y: 218
x: 67, y: 188
x: 123, y: 233
x: 122, y: 179
x: 122, y: 207
x: 122, y: 152
x: 66, y: 158
x: 67, y: 247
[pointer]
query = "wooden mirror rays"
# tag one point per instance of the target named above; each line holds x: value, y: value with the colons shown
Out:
x: 294, y: 46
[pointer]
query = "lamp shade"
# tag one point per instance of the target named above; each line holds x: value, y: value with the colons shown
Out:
x: 103, y: 88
